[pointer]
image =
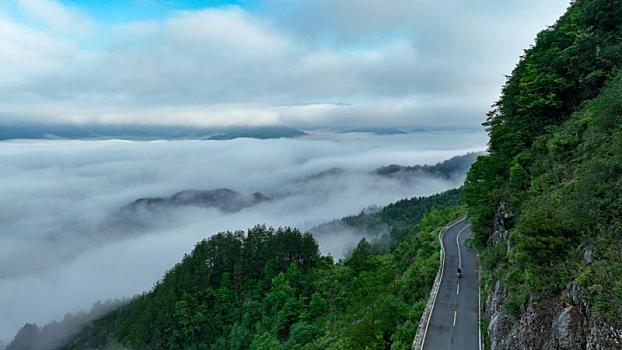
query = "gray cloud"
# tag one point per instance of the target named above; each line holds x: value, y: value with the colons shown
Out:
x: 57, y: 255
x: 229, y: 66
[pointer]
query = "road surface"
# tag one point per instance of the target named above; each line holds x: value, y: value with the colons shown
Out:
x: 454, y: 322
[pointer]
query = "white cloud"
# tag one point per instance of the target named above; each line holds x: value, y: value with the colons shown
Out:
x: 26, y: 55
x: 56, y: 15
x: 395, y: 63
x: 228, y: 31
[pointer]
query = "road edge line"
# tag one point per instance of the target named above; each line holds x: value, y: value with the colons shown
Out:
x: 458, y: 244
x: 479, y: 299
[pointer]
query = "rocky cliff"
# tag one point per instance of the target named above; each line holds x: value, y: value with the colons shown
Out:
x: 562, y: 322
x: 545, y: 201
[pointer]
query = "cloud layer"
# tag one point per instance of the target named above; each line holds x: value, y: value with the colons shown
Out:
x: 362, y: 62
x: 57, y: 253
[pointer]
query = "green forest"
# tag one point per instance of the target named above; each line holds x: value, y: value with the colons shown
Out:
x: 552, y: 175
x: 269, y: 288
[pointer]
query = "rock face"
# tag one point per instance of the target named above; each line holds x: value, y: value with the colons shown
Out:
x: 564, y: 322
x: 566, y: 326
x: 548, y: 324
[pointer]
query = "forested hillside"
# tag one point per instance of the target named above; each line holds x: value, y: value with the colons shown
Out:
x: 545, y: 203
x: 270, y: 289
x: 387, y: 223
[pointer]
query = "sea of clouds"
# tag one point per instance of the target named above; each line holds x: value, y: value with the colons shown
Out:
x: 58, y: 255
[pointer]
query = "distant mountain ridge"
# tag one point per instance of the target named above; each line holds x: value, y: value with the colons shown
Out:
x: 451, y: 168
x: 454, y: 168
x: 225, y: 199
x: 376, y: 131
x: 143, y: 133
x: 230, y: 201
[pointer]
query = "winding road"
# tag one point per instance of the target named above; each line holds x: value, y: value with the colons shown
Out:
x: 454, y: 321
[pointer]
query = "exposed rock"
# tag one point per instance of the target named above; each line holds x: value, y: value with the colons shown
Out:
x: 500, y: 325
x: 562, y: 322
x: 586, y: 253
x: 549, y: 324
x: 567, y: 327
x: 502, y: 224
x: 572, y: 293
x: 602, y: 336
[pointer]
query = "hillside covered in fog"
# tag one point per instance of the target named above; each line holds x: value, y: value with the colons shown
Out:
x: 268, y: 288
x: 107, y: 207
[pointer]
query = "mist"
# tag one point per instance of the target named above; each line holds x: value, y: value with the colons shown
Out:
x: 60, y: 251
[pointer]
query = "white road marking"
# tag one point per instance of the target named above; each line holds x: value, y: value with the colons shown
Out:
x: 458, y: 244
x: 479, y: 301
x: 458, y: 290
x: 455, y: 315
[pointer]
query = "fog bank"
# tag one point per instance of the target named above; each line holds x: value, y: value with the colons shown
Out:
x: 59, y: 253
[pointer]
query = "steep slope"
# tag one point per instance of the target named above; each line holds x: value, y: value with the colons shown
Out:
x: 545, y: 203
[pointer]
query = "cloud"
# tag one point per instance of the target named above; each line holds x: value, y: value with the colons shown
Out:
x: 26, y: 55
x: 227, y: 31
x: 59, y: 249
x: 55, y: 15
x: 192, y: 65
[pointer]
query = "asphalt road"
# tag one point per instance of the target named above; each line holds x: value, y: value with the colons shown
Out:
x: 454, y: 323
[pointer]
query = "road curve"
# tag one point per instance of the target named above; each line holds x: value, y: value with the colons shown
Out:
x: 454, y: 322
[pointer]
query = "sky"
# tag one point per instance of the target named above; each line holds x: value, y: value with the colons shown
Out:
x: 315, y: 63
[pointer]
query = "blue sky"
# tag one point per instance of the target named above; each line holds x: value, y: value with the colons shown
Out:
x: 306, y: 63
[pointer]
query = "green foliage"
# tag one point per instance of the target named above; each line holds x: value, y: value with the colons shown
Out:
x: 408, y: 212
x: 270, y: 289
x: 555, y: 162
x: 483, y: 190
x: 573, y: 200
x: 213, y: 291
x: 602, y: 279
x: 391, y: 221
